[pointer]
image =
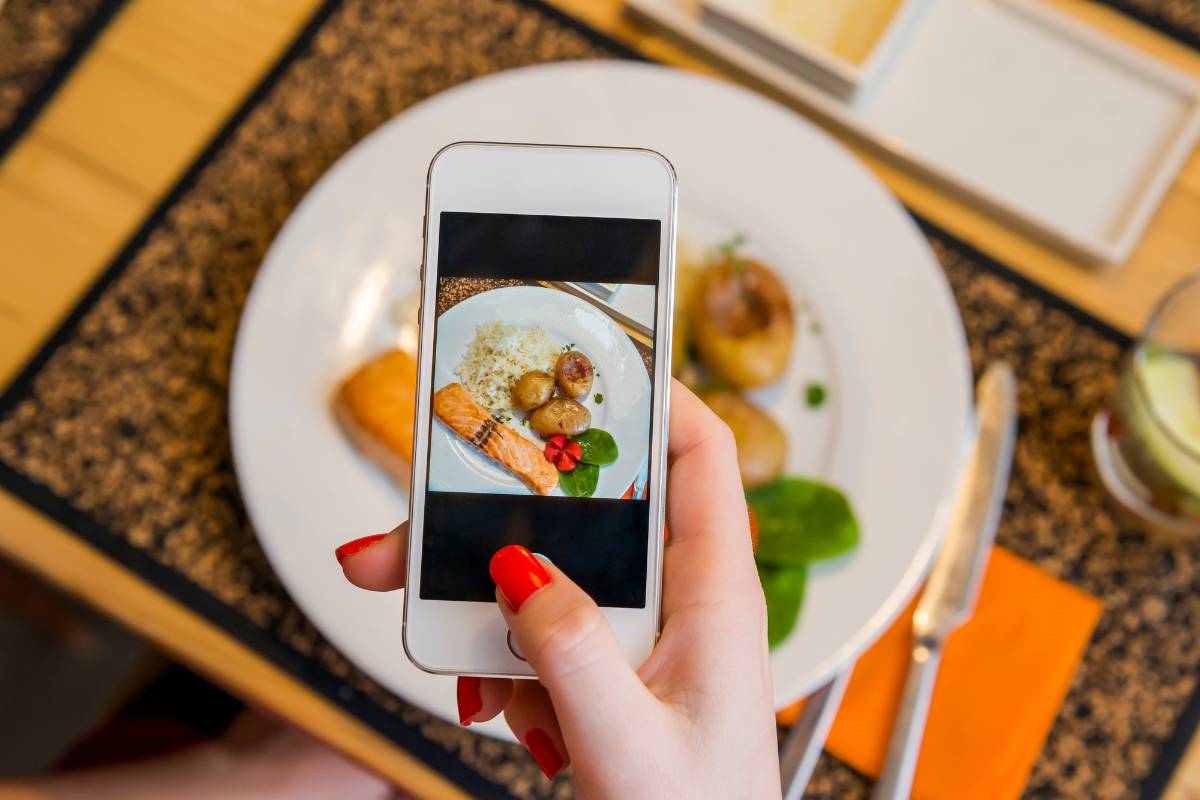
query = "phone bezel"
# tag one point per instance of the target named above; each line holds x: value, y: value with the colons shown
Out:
x: 564, y: 180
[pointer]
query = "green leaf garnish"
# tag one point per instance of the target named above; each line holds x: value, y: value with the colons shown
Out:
x: 599, y: 398
x: 598, y: 446
x: 783, y: 589
x: 800, y: 521
x: 581, y: 481
x: 814, y: 395
x: 730, y: 245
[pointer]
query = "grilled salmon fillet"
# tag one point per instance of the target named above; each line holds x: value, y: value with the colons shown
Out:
x: 375, y: 407
x: 454, y: 406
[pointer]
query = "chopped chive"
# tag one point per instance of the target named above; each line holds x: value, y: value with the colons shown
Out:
x: 814, y: 395
x: 729, y: 246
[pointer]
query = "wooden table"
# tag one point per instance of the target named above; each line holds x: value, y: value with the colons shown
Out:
x: 151, y: 93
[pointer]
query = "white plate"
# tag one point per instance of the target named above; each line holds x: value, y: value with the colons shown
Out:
x: 892, y: 344
x: 621, y: 379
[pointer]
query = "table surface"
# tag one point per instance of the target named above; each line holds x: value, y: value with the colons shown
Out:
x: 151, y: 93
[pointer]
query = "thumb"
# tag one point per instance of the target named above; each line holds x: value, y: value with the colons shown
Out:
x: 571, y: 647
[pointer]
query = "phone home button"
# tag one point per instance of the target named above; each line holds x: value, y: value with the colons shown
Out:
x: 512, y: 646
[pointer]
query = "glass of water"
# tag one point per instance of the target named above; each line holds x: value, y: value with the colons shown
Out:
x: 1147, y: 444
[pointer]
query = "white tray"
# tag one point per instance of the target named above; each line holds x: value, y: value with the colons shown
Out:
x: 1051, y: 126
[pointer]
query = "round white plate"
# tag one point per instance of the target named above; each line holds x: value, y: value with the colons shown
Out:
x: 621, y: 380
x: 891, y: 343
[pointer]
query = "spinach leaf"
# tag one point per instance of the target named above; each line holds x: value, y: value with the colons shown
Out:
x: 598, y: 447
x: 801, y: 521
x: 784, y: 591
x: 581, y: 481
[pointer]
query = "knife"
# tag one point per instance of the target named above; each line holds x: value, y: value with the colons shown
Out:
x: 953, y: 585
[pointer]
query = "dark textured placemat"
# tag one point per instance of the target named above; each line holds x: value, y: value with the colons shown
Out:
x: 1179, y: 19
x: 40, y: 42
x: 118, y: 427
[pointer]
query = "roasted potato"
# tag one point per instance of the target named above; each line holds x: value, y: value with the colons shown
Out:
x: 742, y: 322
x: 533, y: 389
x: 574, y: 373
x: 761, y: 442
x: 560, y: 415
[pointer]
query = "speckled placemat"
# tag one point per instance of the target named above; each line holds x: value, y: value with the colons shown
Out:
x: 1179, y: 19
x: 40, y: 42
x: 118, y: 428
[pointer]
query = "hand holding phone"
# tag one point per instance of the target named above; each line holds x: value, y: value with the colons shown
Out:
x: 696, y: 718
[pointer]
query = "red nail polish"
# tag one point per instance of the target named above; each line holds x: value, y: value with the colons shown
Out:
x: 542, y: 748
x: 470, y: 699
x: 358, y: 545
x: 518, y: 573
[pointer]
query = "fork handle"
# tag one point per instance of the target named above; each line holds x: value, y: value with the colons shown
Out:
x: 804, y: 743
x: 895, y: 783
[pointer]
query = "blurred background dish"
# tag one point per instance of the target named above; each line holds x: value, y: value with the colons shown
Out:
x: 837, y: 45
x: 1011, y: 104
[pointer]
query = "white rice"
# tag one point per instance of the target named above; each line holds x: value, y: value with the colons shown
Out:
x: 497, y: 356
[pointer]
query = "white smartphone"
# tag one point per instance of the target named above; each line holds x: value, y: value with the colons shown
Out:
x: 544, y: 374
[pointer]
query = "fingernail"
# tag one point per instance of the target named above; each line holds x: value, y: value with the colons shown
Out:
x: 518, y: 573
x: 358, y: 545
x: 542, y: 748
x: 470, y: 699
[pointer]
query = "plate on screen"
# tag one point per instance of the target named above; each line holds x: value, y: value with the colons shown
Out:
x: 621, y: 381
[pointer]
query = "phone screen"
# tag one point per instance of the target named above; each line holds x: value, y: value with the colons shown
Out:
x: 543, y: 376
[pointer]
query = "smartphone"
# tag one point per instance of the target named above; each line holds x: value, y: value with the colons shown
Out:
x: 543, y: 380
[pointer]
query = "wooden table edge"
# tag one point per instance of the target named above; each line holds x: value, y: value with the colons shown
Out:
x: 83, y: 571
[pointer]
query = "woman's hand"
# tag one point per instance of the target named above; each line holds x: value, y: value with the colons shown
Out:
x: 696, y: 719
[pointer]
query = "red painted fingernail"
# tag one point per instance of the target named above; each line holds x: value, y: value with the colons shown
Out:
x: 470, y: 699
x: 518, y: 573
x: 542, y: 748
x: 358, y: 545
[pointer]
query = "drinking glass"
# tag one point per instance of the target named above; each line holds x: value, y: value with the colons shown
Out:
x: 1147, y: 443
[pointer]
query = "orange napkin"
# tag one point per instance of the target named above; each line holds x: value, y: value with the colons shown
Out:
x: 1003, y: 678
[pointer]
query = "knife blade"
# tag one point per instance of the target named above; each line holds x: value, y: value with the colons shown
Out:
x: 953, y: 585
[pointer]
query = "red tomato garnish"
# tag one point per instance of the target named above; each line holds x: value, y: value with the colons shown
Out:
x: 563, y: 453
x: 554, y: 447
x: 753, y: 529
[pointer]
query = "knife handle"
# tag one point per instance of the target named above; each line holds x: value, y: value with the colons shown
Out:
x: 895, y: 782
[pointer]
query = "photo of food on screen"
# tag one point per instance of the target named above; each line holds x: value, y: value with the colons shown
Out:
x: 541, y: 388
